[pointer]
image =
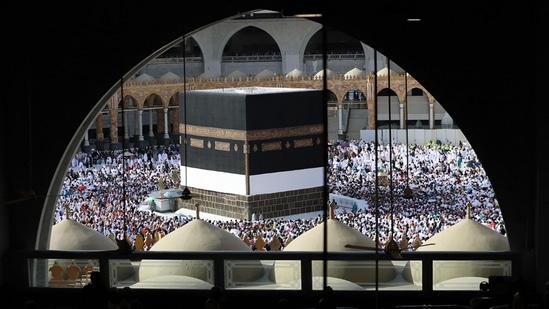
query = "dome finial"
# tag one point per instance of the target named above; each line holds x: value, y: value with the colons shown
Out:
x: 67, y: 212
x: 332, y: 209
x: 197, y: 206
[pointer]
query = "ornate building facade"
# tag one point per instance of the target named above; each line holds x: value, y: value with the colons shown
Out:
x: 276, y: 57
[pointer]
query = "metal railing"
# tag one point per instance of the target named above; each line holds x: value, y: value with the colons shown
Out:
x: 258, y: 58
x: 432, y: 272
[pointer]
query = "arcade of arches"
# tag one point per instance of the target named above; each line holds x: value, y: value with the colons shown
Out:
x: 269, y: 43
x: 160, y: 97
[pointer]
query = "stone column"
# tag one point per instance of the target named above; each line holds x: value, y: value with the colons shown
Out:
x: 140, y: 124
x: 126, y: 134
x: 86, y: 145
x: 100, y: 136
x: 86, y: 139
x: 401, y: 110
x: 370, y: 102
x: 371, y: 114
x: 114, y: 126
x: 159, y: 122
x: 136, y: 128
x: 176, y: 120
x: 166, y: 135
x: 431, y: 115
x: 113, y: 115
x: 340, y: 135
x: 151, y: 132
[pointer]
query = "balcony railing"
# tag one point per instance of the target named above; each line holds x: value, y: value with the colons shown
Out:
x: 260, y: 58
x: 425, y: 272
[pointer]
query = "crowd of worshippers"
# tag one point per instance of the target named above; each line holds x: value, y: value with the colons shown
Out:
x: 444, y: 177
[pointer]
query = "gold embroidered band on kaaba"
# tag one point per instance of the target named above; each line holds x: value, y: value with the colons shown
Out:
x: 299, y: 134
x: 242, y: 135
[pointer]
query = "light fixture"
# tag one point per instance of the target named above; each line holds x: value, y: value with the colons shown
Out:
x: 308, y: 15
x: 413, y: 19
x: 186, y: 194
x: 412, y: 12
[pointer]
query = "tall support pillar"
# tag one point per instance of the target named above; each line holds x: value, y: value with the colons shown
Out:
x: 140, y: 140
x: 126, y: 133
x: 370, y: 102
x: 340, y: 134
x: 401, y: 114
x: 86, y: 145
x: 166, y: 135
x: 371, y: 115
x: 86, y: 139
x: 175, y: 121
x: 114, y: 103
x: 151, y: 131
x: 152, y: 140
x: 431, y: 115
x: 140, y: 124
x: 136, y: 129
x: 99, y: 135
x: 115, y: 145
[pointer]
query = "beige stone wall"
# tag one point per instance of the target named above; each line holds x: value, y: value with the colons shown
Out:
x: 241, y: 207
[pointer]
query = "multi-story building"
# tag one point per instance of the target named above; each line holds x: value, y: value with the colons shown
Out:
x: 261, y: 52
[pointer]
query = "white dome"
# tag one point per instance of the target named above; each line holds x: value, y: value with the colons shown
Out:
x: 295, y: 73
x: 237, y: 74
x: 329, y: 74
x: 197, y: 235
x: 339, y: 235
x: 144, y: 77
x: 466, y: 235
x: 385, y: 72
x: 265, y: 74
x: 71, y: 235
x: 354, y: 73
x: 207, y: 75
x: 170, y: 76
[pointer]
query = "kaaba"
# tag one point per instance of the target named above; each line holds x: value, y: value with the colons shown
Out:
x: 253, y: 149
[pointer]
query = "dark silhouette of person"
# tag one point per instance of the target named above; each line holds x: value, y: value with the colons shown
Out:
x: 217, y: 299
x: 95, y: 293
x: 327, y: 301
